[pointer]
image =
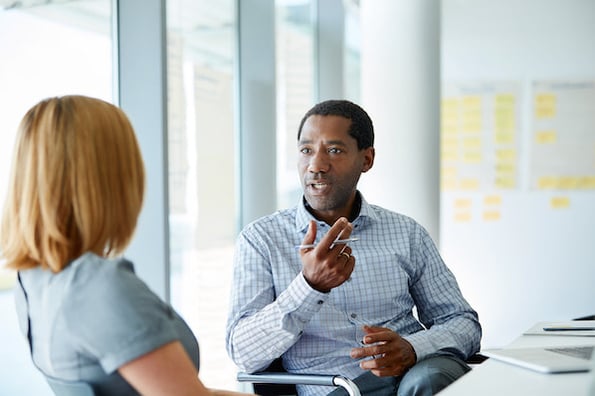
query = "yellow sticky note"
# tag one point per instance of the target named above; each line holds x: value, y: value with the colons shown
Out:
x: 449, y: 155
x: 449, y: 171
x: 545, y: 137
x: 492, y: 200
x: 560, y: 202
x: 469, y: 184
x: 504, y: 136
x: 471, y: 102
x: 586, y: 183
x: 504, y: 124
x: 491, y: 215
x: 449, y: 129
x: 547, y: 182
x: 449, y: 143
x: 504, y: 100
x: 471, y: 125
x: 472, y: 143
x: 472, y: 157
x: 462, y: 217
x: 448, y: 184
x: 545, y: 105
x: 568, y: 183
x: 463, y: 203
x: 505, y: 182
x: 505, y: 167
x: 449, y: 105
x: 506, y: 154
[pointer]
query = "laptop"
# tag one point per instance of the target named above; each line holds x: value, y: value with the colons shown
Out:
x: 547, y: 359
x: 592, y: 387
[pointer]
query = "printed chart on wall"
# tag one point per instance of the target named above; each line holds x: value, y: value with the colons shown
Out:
x: 563, y: 138
x: 517, y: 196
x: 480, y: 143
x: 489, y: 150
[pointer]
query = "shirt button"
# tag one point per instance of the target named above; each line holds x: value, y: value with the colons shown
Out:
x: 319, y: 302
x: 354, y: 315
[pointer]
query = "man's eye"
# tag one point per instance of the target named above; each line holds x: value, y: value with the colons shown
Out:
x: 305, y: 150
x: 334, y: 150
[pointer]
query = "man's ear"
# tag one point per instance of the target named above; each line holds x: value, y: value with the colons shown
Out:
x: 368, y: 159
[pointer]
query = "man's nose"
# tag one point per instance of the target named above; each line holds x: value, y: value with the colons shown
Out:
x: 319, y: 162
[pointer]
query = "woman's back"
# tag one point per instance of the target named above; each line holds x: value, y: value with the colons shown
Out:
x: 76, y: 190
x: 93, y: 317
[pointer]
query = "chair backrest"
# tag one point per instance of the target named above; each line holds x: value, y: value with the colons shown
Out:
x: 70, y: 388
x: 275, y: 389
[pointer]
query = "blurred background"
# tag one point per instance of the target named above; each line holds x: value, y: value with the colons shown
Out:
x: 484, y: 115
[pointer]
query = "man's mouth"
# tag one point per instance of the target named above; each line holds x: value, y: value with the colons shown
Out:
x: 319, y: 185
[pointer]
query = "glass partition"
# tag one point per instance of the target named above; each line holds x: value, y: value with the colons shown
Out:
x: 48, y: 48
x: 295, y: 61
x: 201, y: 137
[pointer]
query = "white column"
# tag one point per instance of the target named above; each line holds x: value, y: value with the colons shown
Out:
x: 141, y: 55
x: 256, y: 107
x: 330, y: 45
x: 401, y: 91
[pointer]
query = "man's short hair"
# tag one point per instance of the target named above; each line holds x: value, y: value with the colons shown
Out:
x: 361, y: 129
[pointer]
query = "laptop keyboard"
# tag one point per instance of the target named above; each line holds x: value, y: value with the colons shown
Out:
x: 582, y: 352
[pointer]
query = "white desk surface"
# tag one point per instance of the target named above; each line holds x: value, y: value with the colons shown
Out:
x: 493, y: 377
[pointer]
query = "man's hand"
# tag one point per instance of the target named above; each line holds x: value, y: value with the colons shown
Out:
x: 390, y: 354
x: 326, y: 266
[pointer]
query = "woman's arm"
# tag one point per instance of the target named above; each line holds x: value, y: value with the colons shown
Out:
x: 166, y: 371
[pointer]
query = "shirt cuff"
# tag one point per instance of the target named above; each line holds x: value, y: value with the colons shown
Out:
x: 421, y: 344
x: 301, y: 299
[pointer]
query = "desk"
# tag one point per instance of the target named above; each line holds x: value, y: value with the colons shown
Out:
x: 495, y: 378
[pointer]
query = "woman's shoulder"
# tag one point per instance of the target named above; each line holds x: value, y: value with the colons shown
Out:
x: 113, y: 313
x: 107, y: 290
x: 97, y: 281
x: 91, y: 269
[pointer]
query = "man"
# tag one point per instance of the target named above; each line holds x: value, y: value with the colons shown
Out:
x: 347, y: 307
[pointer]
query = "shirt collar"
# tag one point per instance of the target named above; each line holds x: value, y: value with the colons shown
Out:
x: 303, y: 216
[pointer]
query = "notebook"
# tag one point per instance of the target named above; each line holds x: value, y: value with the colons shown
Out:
x: 585, y: 328
x: 547, y: 359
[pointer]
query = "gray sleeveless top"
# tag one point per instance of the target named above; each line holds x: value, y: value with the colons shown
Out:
x: 91, y: 318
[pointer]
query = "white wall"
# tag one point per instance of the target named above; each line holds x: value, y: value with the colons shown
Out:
x: 400, y: 91
x: 536, y: 261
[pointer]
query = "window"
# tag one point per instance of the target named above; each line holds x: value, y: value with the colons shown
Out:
x: 54, y: 48
x: 295, y: 88
x: 300, y: 61
x: 352, y: 56
x: 200, y: 37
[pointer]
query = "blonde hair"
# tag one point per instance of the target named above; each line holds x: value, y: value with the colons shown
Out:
x: 76, y: 186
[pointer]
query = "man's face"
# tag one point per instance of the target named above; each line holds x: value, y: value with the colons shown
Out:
x: 330, y: 164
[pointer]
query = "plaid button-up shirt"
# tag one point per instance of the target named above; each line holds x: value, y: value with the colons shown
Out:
x: 275, y: 312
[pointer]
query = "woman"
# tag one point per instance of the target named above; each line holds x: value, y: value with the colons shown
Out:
x: 75, y: 194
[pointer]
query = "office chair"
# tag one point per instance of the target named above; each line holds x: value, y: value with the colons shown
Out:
x: 275, y: 381
x: 70, y: 388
